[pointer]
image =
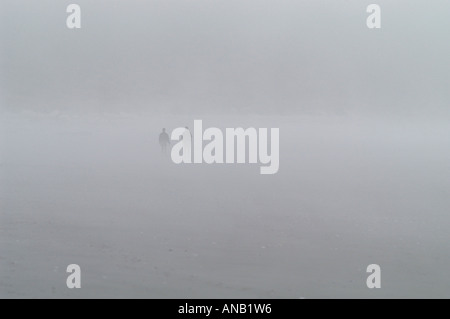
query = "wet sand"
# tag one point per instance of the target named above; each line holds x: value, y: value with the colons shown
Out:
x: 96, y: 191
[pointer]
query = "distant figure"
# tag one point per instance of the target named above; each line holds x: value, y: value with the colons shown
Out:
x: 164, y: 140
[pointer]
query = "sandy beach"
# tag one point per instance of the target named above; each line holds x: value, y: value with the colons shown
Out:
x: 96, y: 191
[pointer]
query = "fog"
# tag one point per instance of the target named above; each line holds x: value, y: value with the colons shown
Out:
x: 364, y: 172
x: 223, y: 56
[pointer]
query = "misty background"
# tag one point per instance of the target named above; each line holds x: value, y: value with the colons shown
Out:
x: 364, y: 172
x: 226, y: 56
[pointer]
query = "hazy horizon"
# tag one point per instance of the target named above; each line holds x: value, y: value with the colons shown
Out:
x: 264, y: 57
x: 88, y: 178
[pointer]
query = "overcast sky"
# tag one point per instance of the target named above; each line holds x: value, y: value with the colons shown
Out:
x: 222, y: 55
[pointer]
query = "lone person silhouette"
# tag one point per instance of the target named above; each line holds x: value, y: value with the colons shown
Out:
x: 164, y: 140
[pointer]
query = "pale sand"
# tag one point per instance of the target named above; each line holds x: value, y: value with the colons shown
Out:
x: 95, y: 191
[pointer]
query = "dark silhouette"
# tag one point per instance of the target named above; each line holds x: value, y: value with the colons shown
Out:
x: 164, y: 140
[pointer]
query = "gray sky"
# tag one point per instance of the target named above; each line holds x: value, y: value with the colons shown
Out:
x: 220, y: 56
